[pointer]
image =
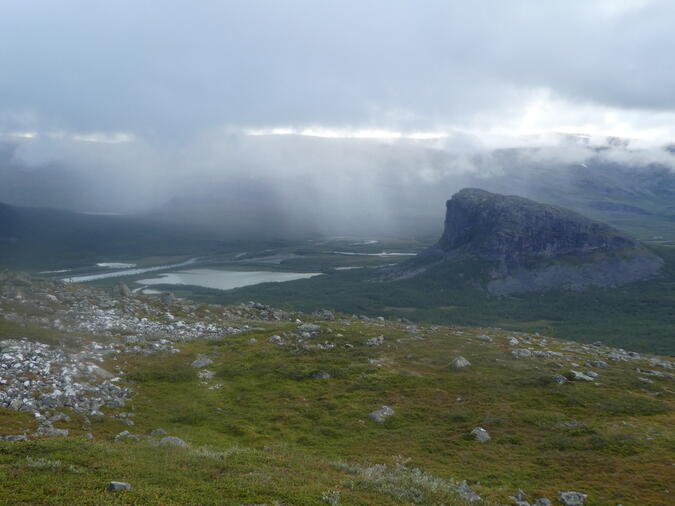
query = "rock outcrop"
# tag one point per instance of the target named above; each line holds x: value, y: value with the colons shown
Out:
x: 526, y: 246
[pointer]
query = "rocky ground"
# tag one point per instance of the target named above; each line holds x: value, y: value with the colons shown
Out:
x: 81, y: 370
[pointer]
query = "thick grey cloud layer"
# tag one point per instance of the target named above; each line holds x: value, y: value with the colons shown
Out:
x: 133, y: 105
x: 161, y: 69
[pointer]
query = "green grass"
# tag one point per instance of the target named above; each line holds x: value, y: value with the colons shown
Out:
x: 271, y: 432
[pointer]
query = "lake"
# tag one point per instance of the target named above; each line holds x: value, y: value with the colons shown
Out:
x: 222, y: 279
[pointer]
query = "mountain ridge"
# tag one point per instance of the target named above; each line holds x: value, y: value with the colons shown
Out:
x: 528, y: 246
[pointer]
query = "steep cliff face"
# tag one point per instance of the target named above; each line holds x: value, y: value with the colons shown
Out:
x: 519, y: 232
x: 527, y: 246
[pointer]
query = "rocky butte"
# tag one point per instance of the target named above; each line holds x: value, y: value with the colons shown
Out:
x: 516, y: 245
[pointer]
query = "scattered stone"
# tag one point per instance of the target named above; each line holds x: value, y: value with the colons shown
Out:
x: 381, y: 415
x: 559, y: 379
x: 375, y: 341
x: 48, y: 431
x: 310, y: 328
x: 118, y: 486
x: 542, y: 501
x: 466, y: 493
x: 459, y: 363
x: 172, y: 441
x: 521, y: 353
x: 600, y: 364
x: 158, y: 432
x: 274, y: 339
x: 325, y: 314
x: 512, y: 341
x: 60, y: 417
x: 125, y: 435
x: 591, y: 374
x: 320, y: 375
x: 201, y: 362
x: 15, y: 438
x: 481, y: 434
x: 578, y: 376
x: 571, y: 498
x: 484, y: 338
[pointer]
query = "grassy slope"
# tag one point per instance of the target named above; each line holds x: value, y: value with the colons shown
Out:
x: 276, y: 434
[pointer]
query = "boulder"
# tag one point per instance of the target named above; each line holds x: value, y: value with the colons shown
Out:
x: 466, y: 493
x: 172, y: 441
x: 381, y: 415
x: 578, y: 376
x: 459, y: 363
x: 481, y: 434
x: 571, y: 498
x: 118, y: 486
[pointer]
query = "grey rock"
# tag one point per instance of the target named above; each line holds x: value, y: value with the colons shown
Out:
x: 15, y: 438
x: 484, y: 338
x: 172, y: 441
x: 542, y: 501
x: 60, y: 417
x: 466, y: 493
x: 591, y: 374
x: 125, y: 435
x: 274, y: 339
x: 310, y: 328
x: 158, y: 432
x: 49, y: 431
x: 521, y: 353
x: 201, y: 362
x: 559, y: 379
x: 578, y: 376
x: 481, y: 434
x: 118, y: 486
x: 325, y: 314
x: 459, y: 363
x: 321, y: 375
x: 375, y: 341
x: 381, y: 415
x: 600, y: 364
x: 571, y: 498
x: 512, y: 341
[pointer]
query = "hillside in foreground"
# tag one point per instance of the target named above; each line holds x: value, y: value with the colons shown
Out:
x: 204, y: 404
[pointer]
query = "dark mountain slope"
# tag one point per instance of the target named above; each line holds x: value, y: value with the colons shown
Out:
x: 526, y: 246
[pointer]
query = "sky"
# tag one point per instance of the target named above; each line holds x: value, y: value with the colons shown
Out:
x: 145, y: 94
